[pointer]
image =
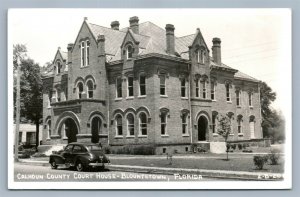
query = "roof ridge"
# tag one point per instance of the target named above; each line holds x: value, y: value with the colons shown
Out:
x: 107, y: 27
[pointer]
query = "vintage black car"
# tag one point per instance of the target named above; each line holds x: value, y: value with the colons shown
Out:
x: 80, y: 155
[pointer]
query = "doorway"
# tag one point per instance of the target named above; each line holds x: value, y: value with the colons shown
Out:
x: 202, y: 128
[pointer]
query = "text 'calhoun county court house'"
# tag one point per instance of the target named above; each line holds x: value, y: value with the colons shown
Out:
x: 142, y: 85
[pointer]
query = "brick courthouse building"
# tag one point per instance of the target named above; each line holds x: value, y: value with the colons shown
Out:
x: 142, y: 85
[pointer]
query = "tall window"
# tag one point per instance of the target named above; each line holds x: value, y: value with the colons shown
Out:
x: 129, y: 51
x: 197, y: 87
x: 54, y: 95
x: 66, y: 93
x: 58, y: 95
x: 200, y: 56
x: 227, y: 86
x: 212, y: 90
x: 203, y: 87
x: 130, y: 86
x: 82, y: 53
x: 119, y: 126
x: 250, y: 95
x: 59, y: 66
x: 87, y: 52
x: 143, y: 123
x: 90, y: 89
x: 239, y: 123
x: 183, y: 87
x: 142, y: 85
x: 238, y: 98
x: 163, y: 123
x: 214, y: 118
x: 80, y: 89
x: 119, y: 87
x: 130, y: 125
x: 184, y: 124
x: 162, y: 79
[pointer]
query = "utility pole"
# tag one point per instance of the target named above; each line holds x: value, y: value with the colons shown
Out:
x: 16, y: 159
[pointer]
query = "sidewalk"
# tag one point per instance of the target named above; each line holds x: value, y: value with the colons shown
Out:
x: 242, y: 175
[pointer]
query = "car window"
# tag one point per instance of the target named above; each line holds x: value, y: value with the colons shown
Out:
x: 69, y: 148
x: 76, y: 149
x: 94, y: 147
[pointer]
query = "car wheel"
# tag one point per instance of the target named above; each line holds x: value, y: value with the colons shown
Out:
x: 53, y: 164
x: 101, y: 168
x: 79, y: 166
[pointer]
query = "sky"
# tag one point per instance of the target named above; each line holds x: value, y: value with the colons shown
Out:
x: 254, y: 41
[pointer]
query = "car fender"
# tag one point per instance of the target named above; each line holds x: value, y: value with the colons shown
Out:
x: 84, y: 159
x: 58, y: 159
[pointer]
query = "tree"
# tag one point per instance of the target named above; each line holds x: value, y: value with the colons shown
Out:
x: 31, y: 93
x: 267, y: 96
x: 224, y: 129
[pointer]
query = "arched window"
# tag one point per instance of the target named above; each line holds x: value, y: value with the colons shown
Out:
x: 212, y: 90
x: 162, y: 81
x: 200, y: 56
x: 184, y: 124
x: 49, y: 129
x: 163, y: 123
x: 59, y: 66
x: 82, y: 53
x: 239, y: 123
x: 252, y: 126
x: 80, y: 89
x: 55, y: 95
x: 130, y: 124
x: 230, y: 116
x: 119, y: 125
x: 130, y: 86
x: 228, y: 96
x: 197, y: 88
x: 214, y: 121
x: 250, y: 97
x: 143, y: 124
x: 90, y: 88
x: 129, y: 51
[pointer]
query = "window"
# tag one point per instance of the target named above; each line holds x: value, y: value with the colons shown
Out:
x: 119, y: 126
x: 55, y: 95
x: 214, y: 118
x: 58, y: 95
x: 82, y: 54
x: 212, y: 90
x: 143, y: 123
x: 230, y: 116
x: 200, y: 56
x: 49, y: 99
x: 238, y: 98
x: 142, y: 85
x: 203, y: 86
x: 66, y: 93
x: 250, y: 95
x: 197, y: 88
x: 80, y: 89
x: 163, y: 123
x: 130, y: 86
x: 87, y: 52
x: 162, y: 79
x: 59, y: 66
x: 130, y: 125
x: 228, y: 98
x: 119, y: 87
x: 129, y: 51
x: 239, y: 123
x: 184, y: 124
x: 183, y: 87
x: 90, y: 88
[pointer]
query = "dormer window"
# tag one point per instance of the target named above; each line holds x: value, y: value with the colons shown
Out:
x: 85, y: 53
x: 59, y: 66
x: 129, y: 51
x: 200, y: 56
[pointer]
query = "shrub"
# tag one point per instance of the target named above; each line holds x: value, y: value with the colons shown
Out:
x: 259, y: 161
x: 274, y: 157
x: 240, y: 146
x: 233, y: 146
x: 135, y: 150
x: 107, y: 150
x: 227, y: 147
x: 244, y: 146
x: 247, y: 151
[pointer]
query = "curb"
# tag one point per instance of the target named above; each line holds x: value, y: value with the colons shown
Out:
x: 242, y: 175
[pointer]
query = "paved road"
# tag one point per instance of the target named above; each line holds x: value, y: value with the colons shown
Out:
x: 29, y: 173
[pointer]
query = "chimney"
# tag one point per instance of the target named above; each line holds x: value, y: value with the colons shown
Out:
x: 134, y: 24
x: 70, y: 46
x: 216, y: 50
x: 170, y: 39
x: 115, y: 25
x: 101, y: 45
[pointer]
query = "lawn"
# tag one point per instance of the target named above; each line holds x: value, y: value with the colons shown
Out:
x: 210, y: 162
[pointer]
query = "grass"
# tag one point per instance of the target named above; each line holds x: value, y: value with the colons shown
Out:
x: 240, y: 163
